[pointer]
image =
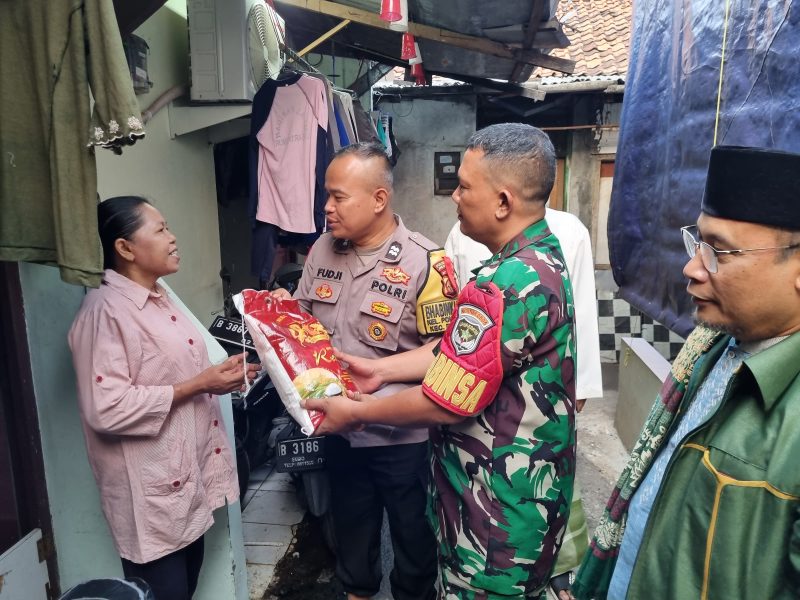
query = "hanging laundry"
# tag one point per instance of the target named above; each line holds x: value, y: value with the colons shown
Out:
x: 365, y: 128
x: 333, y: 128
x: 376, y: 121
x: 338, y: 110
x: 288, y: 155
x: 345, y: 114
x: 395, y: 156
x: 385, y: 127
x: 54, y: 53
x: 288, y: 135
x: 348, y: 116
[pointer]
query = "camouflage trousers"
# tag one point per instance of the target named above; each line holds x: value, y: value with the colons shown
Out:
x: 573, y: 547
x: 451, y: 587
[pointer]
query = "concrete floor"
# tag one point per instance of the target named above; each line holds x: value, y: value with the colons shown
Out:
x: 271, y: 512
x: 270, y: 515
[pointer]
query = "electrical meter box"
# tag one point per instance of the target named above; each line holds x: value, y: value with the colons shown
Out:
x: 445, y: 172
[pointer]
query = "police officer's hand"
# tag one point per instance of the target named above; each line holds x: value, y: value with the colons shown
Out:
x: 340, y: 413
x: 363, y: 370
x: 280, y: 294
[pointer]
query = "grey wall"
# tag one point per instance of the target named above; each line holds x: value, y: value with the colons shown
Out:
x: 583, y: 169
x: 424, y: 126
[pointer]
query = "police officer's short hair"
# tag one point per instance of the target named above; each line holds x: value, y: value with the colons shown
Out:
x: 522, y: 152
x: 367, y: 151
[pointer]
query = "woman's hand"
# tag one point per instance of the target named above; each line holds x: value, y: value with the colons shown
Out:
x: 218, y: 379
x: 364, y: 371
x: 228, y: 376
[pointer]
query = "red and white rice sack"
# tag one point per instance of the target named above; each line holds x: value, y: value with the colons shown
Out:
x: 296, y: 351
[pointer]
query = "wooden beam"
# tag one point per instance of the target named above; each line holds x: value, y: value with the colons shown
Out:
x: 333, y: 31
x: 535, y: 21
x: 502, y: 86
x: 436, y: 34
x: 534, y: 57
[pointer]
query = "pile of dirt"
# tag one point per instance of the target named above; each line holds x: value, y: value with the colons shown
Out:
x: 306, y: 571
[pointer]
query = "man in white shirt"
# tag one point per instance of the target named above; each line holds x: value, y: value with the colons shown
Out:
x: 466, y: 255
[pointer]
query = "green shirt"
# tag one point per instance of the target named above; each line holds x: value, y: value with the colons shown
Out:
x: 54, y: 53
x: 725, y: 521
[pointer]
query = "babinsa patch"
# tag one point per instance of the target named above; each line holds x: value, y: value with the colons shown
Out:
x: 471, y: 323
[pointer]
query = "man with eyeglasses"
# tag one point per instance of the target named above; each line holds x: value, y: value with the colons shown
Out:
x: 708, y: 504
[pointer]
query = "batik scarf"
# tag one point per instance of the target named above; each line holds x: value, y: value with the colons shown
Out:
x: 598, y: 564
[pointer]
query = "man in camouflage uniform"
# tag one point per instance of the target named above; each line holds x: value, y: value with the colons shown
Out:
x: 500, y: 385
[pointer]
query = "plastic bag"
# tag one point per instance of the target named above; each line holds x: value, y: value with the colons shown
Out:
x: 296, y: 351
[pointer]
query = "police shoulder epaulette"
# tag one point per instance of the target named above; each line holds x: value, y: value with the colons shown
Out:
x: 423, y: 242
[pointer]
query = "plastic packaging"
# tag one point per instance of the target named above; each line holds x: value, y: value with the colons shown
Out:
x: 296, y: 351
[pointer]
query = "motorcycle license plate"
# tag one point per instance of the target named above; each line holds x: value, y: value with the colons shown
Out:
x: 229, y: 331
x: 300, y: 454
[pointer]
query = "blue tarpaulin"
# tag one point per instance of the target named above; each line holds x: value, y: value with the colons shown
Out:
x: 668, y: 127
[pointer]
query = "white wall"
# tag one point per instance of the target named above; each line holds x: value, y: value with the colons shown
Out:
x: 177, y: 175
x: 423, y: 126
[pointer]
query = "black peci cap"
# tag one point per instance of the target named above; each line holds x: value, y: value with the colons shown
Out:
x: 754, y: 185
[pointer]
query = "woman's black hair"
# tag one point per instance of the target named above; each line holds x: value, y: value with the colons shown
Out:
x: 118, y: 217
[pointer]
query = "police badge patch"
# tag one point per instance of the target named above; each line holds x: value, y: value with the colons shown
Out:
x: 471, y: 323
x: 324, y: 291
x: 377, y: 331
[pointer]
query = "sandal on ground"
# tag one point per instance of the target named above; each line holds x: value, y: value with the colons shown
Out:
x: 562, y: 583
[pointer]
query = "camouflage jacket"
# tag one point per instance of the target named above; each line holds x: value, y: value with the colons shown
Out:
x: 502, y: 480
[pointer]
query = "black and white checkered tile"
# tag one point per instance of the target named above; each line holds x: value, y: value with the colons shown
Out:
x: 618, y: 319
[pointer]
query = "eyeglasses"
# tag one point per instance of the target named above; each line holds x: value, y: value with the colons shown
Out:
x: 709, y: 254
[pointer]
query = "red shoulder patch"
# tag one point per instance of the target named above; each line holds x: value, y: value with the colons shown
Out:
x: 449, y: 280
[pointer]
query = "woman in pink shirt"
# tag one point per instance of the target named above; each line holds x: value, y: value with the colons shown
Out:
x: 151, y: 420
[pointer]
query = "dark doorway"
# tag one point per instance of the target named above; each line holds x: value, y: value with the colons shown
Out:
x: 23, y: 495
